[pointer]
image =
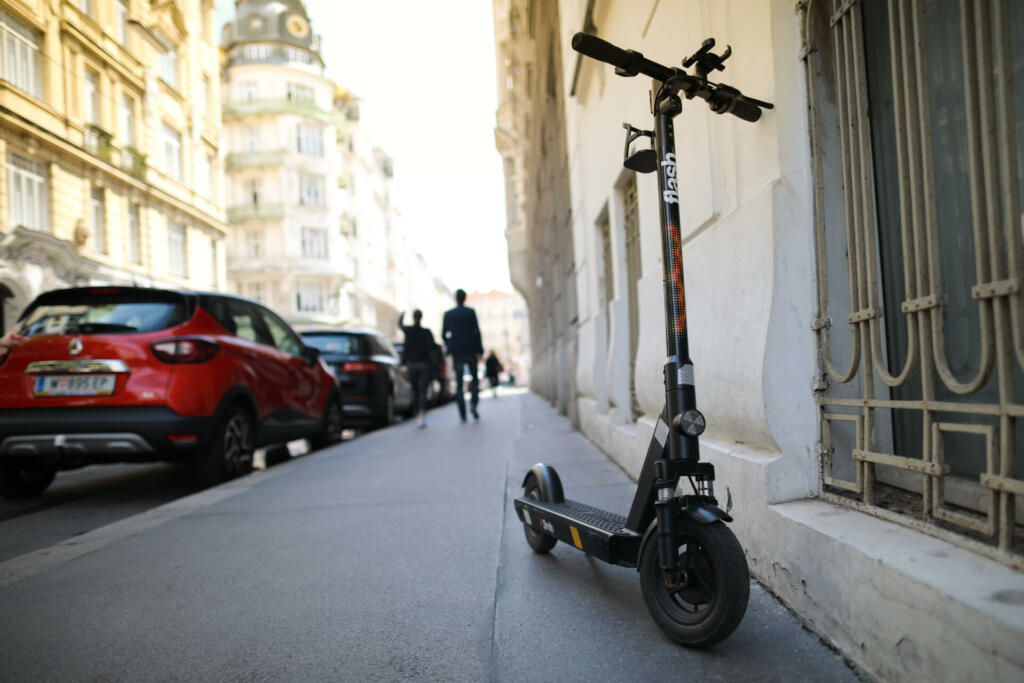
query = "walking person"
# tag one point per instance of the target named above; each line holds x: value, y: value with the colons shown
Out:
x: 492, y: 368
x: 416, y: 357
x: 461, y: 334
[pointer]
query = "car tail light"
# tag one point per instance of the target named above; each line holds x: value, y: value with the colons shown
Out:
x: 184, y: 349
x: 359, y: 366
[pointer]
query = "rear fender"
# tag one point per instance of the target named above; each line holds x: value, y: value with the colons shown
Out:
x: 547, y: 479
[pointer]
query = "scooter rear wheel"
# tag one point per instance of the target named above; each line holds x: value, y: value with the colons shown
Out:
x: 712, y: 600
x: 539, y: 541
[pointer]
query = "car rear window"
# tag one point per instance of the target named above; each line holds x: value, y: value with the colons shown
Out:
x: 102, y: 311
x: 345, y: 344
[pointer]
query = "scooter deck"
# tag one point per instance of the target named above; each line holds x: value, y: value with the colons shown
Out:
x: 596, y: 532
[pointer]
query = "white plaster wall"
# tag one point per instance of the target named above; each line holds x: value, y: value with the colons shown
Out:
x: 901, y: 604
x: 728, y: 168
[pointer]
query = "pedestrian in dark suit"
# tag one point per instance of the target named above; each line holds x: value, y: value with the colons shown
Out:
x: 492, y: 368
x: 461, y: 334
x: 416, y: 352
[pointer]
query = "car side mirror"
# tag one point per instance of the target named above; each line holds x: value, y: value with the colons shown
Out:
x: 311, y: 354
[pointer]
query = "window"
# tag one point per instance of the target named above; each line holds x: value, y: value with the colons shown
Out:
x: 91, y: 97
x: 252, y: 191
x: 310, y: 140
x: 249, y: 90
x: 256, y: 53
x: 253, y: 244
x: 256, y: 292
x: 284, y: 339
x: 169, y: 66
x: 26, y: 182
x: 121, y: 21
x: 214, y: 261
x: 127, y: 121
x: 203, y: 96
x: 314, y: 243
x: 20, y: 63
x: 204, y: 174
x: 97, y: 220
x: 311, y: 190
x: 251, y: 139
x: 171, y: 148
x: 300, y: 93
x: 295, y: 55
x: 913, y: 285
x: 177, y: 263
x: 608, y: 288
x: 310, y: 297
x: 134, y: 234
x: 237, y: 317
x: 633, y: 274
x: 243, y: 319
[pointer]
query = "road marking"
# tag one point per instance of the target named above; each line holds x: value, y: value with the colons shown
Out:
x: 28, y: 565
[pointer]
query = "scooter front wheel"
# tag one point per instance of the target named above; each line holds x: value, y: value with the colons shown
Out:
x: 539, y: 541
x: 709, y: 602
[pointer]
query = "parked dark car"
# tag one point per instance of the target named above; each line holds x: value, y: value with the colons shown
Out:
x: 130, y: 374
x: 374, y: 385
x: 441, y: 389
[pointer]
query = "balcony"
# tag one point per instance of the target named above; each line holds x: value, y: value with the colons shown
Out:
x: 234, y: 110
x: 237, y: 160
x: 98, y: 142
x: 255, y: 212
x: 133, y: 162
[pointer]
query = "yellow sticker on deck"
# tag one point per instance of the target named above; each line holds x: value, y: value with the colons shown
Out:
x: 576, y: 538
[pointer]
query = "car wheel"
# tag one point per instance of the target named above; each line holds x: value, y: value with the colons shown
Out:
x: 387, y: 417
x: 332, y: 425
x: 17, y: 481
x: 229, y: 454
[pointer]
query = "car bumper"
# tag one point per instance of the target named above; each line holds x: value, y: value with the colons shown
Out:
x: 72, y: 437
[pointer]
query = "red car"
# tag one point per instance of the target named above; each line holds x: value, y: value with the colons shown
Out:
x: 128, y: 374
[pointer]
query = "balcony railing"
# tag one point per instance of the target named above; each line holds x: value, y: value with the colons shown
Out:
x: 255, y: 212
x: 134, y: 162
x: 283, y: 105
x: 237, y: 160
x: 98, y: 141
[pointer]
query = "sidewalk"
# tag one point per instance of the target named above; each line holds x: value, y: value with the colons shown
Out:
x: 395, y: 556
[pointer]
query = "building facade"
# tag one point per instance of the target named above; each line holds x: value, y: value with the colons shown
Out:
x: 284, y: 122
x: 504, y: 328
x: 109, y: 138
x: 852, y: 263
x: 530, y: 138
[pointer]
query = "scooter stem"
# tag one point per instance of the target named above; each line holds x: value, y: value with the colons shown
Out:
x: 680, y: 395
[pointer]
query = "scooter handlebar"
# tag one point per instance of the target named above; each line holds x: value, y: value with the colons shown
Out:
x: 721, y: 98
x: 599, y: 49
x: 627, y: 60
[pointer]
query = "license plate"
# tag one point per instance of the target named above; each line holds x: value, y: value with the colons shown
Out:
x: 75, y: 385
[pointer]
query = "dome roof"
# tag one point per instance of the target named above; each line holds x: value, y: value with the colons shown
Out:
x: 262, y: 21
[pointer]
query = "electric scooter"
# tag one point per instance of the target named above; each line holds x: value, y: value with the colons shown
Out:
x: 693, y: 573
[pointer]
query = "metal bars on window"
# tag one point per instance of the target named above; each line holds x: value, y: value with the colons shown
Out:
x: 631, y: 222
x: 918, y: 227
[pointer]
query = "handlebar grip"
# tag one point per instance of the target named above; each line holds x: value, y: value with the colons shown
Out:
x: 602, y: 50
x: 748, y: 111
x: 728, y: 100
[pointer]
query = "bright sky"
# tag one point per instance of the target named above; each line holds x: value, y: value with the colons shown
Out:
x: 426, y: 78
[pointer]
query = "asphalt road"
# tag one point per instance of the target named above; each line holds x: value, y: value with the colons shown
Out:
x: 395, y: 556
